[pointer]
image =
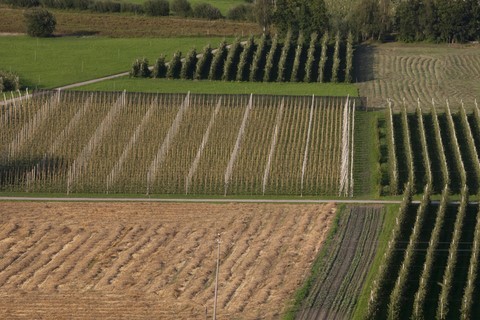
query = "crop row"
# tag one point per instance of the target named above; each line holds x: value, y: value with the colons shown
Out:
x: 268, y: 60
x: 177, y: 144
x: 447, y: 145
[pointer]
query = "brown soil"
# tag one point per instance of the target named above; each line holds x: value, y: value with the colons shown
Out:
x: 152, y: 260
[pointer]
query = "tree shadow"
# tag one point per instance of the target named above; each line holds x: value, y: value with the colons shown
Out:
x: 363, y: 63
x: 79, y: 33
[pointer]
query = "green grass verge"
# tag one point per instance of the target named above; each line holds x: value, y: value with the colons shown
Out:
x: 382, y: 243
x: 181, y: 86
x: 52, y: 62
x: 302, y: 293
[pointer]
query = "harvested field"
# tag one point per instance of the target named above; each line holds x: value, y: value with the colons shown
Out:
x: 344, y: 265
x: 425, y: 72
x: 144, y: 261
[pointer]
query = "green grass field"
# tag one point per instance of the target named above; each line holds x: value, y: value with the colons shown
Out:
x: 52, y: 62
x: 183, y: 86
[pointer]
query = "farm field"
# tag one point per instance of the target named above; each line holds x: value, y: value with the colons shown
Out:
x: 446, y: 145
x: 140, y: 261
x: 213, y: 87
x: 240, y: 144
x: 60, y: 62
x: 126, y: 25
x: 418, y: 71
x: 343, y: 264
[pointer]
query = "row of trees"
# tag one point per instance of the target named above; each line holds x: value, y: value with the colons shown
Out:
x: 268, y: 60
x: 181, y: 8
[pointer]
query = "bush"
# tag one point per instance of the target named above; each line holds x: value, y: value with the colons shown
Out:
x: 218, y: 61
x: 203, y: 64
x: 106, y: 6
x: 157, y: 7
x: 188, y: 67
x: 140, y: 69
x: 181, y: 8
x: 160, y: 69
x: 175, y: 66
x: 23, y: 3
x: 242, y: 12
x: 40, y: 22
x: 206, y: 11
x: 9, y: 81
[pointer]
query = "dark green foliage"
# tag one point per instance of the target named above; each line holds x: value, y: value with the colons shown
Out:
x: 188, y: 67
x: 298, y: 55
x: 140, y: 69
x: 258, y: 57
x: 282, y: 64
x: 23, y: 3
x: 323, y: 58
x: 241, y: 12
x: 216, y: 68
x: 106, y: 6
x: 40, y: 22
x: 349, y: 59
x: 206, y: 11
x: 336, y: 59
x: 160, y: 69
x: 231, y: 64
x: 267, y: 75
x: 181, y: 8
x: 203, y: 64
x: 301, y: 15
x: 157, y: 7
x: 175, y: 66
x: 245, y: 60
x: 9, y: 81
x: 310, y: 57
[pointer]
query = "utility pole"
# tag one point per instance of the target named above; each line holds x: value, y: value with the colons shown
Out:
x: 216, y: 279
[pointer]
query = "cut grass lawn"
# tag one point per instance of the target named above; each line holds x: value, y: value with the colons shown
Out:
x: 129, y: 25
x: 183, y: 86
x: 52, y: 62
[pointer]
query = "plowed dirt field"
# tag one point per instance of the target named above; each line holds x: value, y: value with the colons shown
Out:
x: 154, y: 261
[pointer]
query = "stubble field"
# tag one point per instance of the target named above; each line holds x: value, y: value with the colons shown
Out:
x: 145, y: 261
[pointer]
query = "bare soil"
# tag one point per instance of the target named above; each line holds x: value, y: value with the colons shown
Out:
x: 153, y: 260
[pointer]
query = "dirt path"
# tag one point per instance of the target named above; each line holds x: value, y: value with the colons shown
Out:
x: 154, y: 260
x: 345, y: 265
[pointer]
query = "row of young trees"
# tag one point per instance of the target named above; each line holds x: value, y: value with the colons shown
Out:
x: 268, y: 60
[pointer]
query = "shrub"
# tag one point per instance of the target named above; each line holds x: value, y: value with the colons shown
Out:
x: 160, y: 69
x: 218, y: 61
x: 23, y: 3
x: 257, y: 57
x: 206, y: 11
x: 40, y: 22
x: 140, y: 68
x: 188, y: 67
x: 230, y: 65
x: 156, y: 8
x: 203, y: 64
x: 10, y: 81
x: 310, y: 57
x: 245, y: 59
x: 267, y: 75
x: 282, y: 64
x: 175, y: 66
x: 242, y: 12
x: 181, y: 8
x: 106, y: 6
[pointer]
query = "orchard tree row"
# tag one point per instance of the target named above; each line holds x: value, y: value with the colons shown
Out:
x: 292, y: 59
